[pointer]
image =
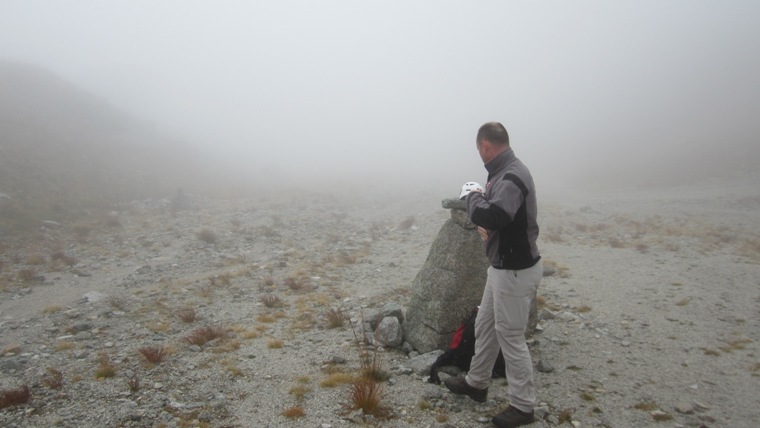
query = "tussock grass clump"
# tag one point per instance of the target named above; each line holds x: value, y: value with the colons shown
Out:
x: 61, y: 257
x: 553, y: 234
x: 542, y: 303
x: 249, y: 333
x: 710, y: 351
x: 271, y: 301
x: 81, y: 232
x: 337, y: 378
x: 52, y: 309
x: 561, y: 270
x: 565, y: 416
x: 615, y: 243
x: 15, y: 396
x: 221, y: 279
x: 265, y: 318
x: 11, y: 349
x: 133, y: 382
x: 203, y: 335
x: 660, y: 416
x: 233, y: 370
x: 27, y: 275
x: 105, y: 369
x: 206, y: 292
x: 646, y: 406
x: 227, y: 346
x: 53, y: 379
x: 153, y: 354
x: 406, y: 223
x: 207, y: 235
x: 372, y: 367
x: 294, y: 412
x: 157, y: 326
x: 36, y: 260
x: 735, y: 345
x: 275, y: 344
x: 187, y: 315
x: 335, y: 318
x: 295, y: 283
x: 642, y: 248
x: 299, y: 391
x: 64, y: 345
x: 367, y: 395
x: 424, y: 405
x: 118, y: 302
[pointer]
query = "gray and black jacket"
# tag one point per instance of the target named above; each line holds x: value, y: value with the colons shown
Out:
x: 508, y: 210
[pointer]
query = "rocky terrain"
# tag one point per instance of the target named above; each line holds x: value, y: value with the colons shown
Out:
x: 255, y: 309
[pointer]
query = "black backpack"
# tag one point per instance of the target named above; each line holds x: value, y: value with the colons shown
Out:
x: 461, y: 349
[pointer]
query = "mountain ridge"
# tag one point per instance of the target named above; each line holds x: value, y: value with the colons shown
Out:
x: 64, y: 149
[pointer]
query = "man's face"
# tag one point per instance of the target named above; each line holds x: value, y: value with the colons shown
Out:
x: 482, y: 147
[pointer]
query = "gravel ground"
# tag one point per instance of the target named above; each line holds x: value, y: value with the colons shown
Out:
x: 651, y: 318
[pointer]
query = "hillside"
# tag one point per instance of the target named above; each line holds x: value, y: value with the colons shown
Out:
x: 63, y: 149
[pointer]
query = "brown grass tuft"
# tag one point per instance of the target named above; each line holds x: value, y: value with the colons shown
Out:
x: 295, y: 283
x: 64, y: 345
x: 337, y: 378
x: 710, y: 351
x: 660, y: 416
x: 207, y: 235
x: 646, y: 406
x: 27, y: 275
x: 367, y: 396
x: 15, y: 397
x: 566, y: 415
x: 187, y: 315
x: 133, y: 382
x: 52, y: 309
x: 36, y: 259
x: 118, y: 302
x: 294, y: 412
x: 53, y: 379
x: 271, y: 300
x: 265, y: 318
x: 153, y: 354
x: 105, y: 369
x: 406, y: 223
x: 299, y: 391
x: 206, y: 334
x: 336, y: 318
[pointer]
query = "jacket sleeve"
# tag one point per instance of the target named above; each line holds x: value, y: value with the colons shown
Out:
x: 498, y: 211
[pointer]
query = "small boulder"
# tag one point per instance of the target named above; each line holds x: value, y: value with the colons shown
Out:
x: 389, y: 332
x: 421, y: 364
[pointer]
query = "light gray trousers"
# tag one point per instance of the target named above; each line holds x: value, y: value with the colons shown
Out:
x: 501, y: 323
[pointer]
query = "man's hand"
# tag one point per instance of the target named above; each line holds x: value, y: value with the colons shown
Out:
x: 483, y: 233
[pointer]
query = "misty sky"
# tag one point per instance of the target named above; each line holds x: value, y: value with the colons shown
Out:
x: 361, y: 89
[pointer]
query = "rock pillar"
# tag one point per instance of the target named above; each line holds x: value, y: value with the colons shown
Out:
x: 449, y: 284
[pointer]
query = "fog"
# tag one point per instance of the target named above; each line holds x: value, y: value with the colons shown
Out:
x: 590, y: 91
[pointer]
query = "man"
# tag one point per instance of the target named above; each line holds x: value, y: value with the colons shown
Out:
x: 506, y: 218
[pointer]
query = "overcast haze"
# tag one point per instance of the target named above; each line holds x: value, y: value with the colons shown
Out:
x: 398, y: 88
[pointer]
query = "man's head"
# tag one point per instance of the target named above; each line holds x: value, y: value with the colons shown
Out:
x: 492, y: 139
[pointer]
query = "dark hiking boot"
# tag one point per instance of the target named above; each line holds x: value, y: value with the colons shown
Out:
x: 459, y: 386
x: 512, y: 417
